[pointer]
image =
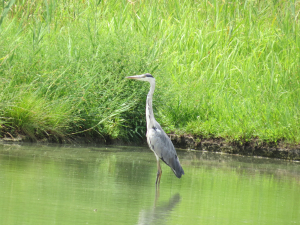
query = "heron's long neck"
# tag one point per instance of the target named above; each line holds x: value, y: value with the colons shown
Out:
x: 149, y: 110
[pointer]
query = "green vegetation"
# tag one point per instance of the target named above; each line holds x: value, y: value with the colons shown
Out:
x: 223, y: 69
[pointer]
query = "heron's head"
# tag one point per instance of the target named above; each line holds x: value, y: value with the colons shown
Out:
x: 144, y: 77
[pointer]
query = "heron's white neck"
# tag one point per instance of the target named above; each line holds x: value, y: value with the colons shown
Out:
x: 149, y: 110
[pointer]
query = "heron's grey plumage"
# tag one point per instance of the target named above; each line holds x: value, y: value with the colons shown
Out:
x: 163, y: 148
x: 157, y: 139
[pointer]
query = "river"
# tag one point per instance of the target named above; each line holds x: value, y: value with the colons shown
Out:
x: 72, y: 184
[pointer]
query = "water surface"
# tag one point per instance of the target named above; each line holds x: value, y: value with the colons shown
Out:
x: 52, y: 184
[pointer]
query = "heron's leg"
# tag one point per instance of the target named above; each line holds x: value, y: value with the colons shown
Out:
x: 159, y: 172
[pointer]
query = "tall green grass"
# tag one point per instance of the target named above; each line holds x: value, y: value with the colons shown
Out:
x: 223, y: 69
x: 236, y: 71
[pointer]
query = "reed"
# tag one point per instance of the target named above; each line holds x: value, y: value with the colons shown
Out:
x: 223, y: 69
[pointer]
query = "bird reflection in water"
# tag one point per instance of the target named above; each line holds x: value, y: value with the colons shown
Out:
x: 159, y: 214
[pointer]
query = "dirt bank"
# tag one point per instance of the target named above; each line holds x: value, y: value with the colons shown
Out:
x: 253, y: 147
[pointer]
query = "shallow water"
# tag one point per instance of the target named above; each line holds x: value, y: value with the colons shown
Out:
x: 52, y: 184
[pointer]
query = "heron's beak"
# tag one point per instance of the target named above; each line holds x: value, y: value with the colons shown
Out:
x: 136, y: 77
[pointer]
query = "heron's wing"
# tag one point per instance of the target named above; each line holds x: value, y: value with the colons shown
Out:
x: 162, y: 146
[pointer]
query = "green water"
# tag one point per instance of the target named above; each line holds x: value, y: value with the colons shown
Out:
x: 116, y: 185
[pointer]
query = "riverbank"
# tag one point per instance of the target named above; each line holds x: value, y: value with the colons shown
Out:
x: 223, y: 69
x: 254, y: 147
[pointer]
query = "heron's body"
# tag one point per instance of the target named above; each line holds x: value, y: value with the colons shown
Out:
x: 157, y: 139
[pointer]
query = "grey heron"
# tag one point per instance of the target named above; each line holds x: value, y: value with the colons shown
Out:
x: 157, y: 139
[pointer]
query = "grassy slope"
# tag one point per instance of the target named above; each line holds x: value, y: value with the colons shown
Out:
x: 223, y: 69
x: 237, y: 71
